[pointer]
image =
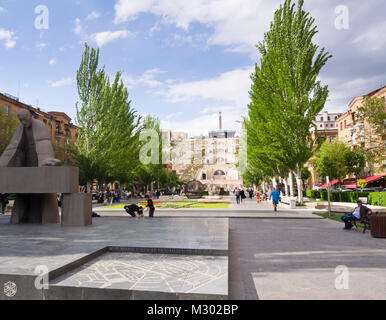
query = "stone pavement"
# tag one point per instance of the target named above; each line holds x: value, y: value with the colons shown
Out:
x: 152, y: 272
x: 249, y: 209
x: 24, y: 247
x: 296, y: 259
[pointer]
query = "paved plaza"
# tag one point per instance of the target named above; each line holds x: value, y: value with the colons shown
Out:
x: 247, y: 252
x: 296, y: 259
x: 152, y: 272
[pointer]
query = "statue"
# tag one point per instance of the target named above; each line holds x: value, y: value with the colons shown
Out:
x: 31, y: 146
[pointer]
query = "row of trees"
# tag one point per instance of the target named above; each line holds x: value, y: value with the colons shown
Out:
x: 286, y: 96
x: 108, y: 144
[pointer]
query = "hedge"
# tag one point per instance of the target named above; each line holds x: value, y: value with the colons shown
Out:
x: 377, y: 199
x: 373, y: 198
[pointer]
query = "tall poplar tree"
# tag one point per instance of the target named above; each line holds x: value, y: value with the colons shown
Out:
x: 286, y: 94
x: 108, y: 127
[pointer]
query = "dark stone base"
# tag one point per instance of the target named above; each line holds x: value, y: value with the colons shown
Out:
x: 35, y: 209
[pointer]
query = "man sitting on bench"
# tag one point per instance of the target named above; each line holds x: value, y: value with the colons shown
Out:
x: 359, y: 212
x: 134, y: 211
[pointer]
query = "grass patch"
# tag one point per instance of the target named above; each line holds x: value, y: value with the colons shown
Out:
x: 179, y: 205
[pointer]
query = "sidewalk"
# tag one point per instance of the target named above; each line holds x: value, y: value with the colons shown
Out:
x: 249, y: 209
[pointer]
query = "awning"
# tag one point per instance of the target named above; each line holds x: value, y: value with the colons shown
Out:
x: 323, y: 185
x: 374, y: 178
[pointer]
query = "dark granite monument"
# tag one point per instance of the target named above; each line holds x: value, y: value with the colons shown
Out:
x: 29, y: 169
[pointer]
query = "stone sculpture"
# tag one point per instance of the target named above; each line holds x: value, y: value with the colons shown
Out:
x: 31, y: 146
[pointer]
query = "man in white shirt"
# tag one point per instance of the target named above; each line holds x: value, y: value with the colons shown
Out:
x: 359, y: 211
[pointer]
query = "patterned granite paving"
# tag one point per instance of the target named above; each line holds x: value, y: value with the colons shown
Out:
x: 152, y: 272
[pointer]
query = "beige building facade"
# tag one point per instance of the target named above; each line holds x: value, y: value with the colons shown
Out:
x: 357, y: 133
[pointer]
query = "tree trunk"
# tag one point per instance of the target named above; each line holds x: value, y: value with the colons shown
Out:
x: 280, y: 181
x: 285, y: 180
x: 299, y: 182
x: 291, y: 184
x: 274, y: 183
x: 263, y: 185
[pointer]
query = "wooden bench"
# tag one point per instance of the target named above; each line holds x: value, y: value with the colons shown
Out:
x: 365, y: 221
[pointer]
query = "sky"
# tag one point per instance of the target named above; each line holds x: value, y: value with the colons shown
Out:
x: 182, y: 61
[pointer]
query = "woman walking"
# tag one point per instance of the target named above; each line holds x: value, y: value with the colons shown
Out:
x: 258, y: 196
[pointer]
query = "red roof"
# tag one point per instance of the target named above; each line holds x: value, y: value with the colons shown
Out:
x: 374, y: 92
x: 323, y: 185
x: 374, y: 178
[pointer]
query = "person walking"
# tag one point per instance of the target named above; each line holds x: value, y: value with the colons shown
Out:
x: 108, y: 196
x: 258, y: 196
x: 242, y: 195
x: 4, y: 202
x: 237, y: 194
x: 150, y: 205
x: 275, y: 196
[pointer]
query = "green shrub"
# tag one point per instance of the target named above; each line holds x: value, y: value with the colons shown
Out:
x: 336, y: 196
x: 377, y: 199
x: 314, y: 194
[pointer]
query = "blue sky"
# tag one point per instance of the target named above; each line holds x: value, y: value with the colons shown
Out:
x: 183, y: 61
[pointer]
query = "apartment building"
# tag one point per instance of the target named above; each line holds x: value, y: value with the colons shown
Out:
x: 60, y: 128
x: 355, y: 132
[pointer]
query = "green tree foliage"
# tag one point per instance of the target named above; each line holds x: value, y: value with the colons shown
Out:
x: 154, y: 175
x: 374, y: 112
x: 8, y: 125
x: 108, y: 127
x: 330, y: 160
x: 286, y: 95
x: 354, y: 161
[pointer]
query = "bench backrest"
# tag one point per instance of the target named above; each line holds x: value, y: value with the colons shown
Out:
x: 363, y: 199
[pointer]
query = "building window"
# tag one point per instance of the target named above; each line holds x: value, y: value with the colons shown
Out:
x: 345, y: 124
x: 6, y: 110
x: 341, y: 126
x: 328, y: 118
x: 321, y: 119
x: 203, y: 176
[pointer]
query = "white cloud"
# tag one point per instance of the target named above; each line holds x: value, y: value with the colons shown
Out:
x: 3, y: 10
x: 344, y: 91
x: 52, y: 61
x: 232, y: 86
x: 61, y: 83
x: 105, y: 37
x: 373, y: 39
x: 154, y: 29
x: 236, y: 23
x: 78, y: 29
x: 100, y: 38
x: 147, y: 79
x: 8, y: 38
x: 41, y: 45
x: 93, y: 15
